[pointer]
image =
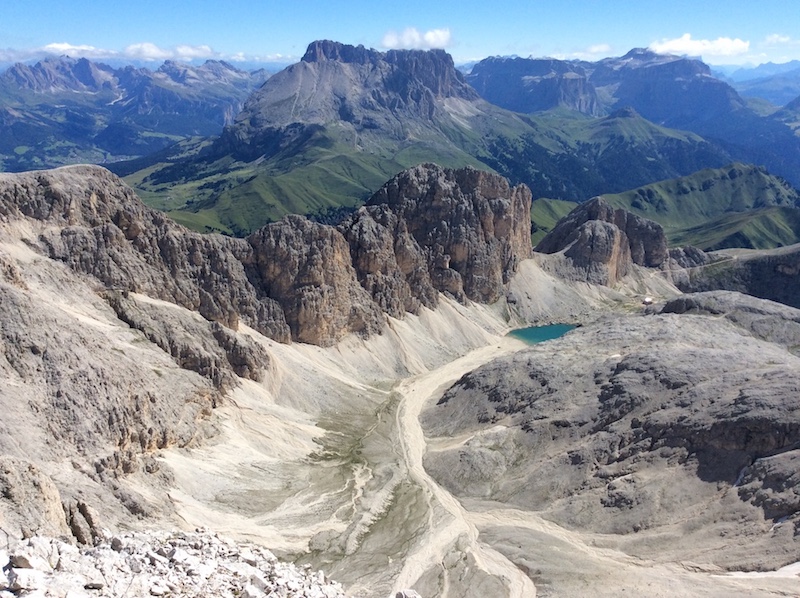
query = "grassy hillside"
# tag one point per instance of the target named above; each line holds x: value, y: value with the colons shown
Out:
x: 310, y: 168
x: 321, y: 171
x: 574, y: 157
x: 765, y: 228
x: 545, y: 213
x: 724, y: 207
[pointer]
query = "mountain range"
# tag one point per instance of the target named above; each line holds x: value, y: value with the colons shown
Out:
x: 64, y: 110
x: 320, y: 136
x: 323, y: 134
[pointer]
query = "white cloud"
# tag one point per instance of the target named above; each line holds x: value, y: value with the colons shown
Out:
x: 412, y: 39
x: 80, y: 51
x: 195, y: 52
x: 777, y: 39
x: 139, y: 52
x: 599, y: 49
x: 722, y: 46
x: 592, y: 53
x: 147, y: 51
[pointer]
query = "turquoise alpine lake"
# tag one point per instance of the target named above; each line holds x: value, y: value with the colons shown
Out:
x: 539, y: 334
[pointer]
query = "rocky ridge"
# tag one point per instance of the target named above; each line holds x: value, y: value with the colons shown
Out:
x: 602, y: 243
x: 768, y: 274
x: 292, y: 279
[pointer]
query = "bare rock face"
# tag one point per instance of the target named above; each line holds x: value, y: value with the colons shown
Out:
x: 529, y: 85
x: 602, y: 242
x: 430, y: 229
x: 772, y: 274
x: 29, y: 500
x: 208, y: 348
x: 766, y: 320
x: 307, y: 268
x: 390, y: 264
x: 98, y: 226
x: 473, y: 229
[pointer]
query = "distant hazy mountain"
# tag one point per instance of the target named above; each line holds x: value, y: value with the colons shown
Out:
x: 768, y: 69
x: 62, y: 110
x: 327, y: 131
x: 778, y: 89
x: 790, y: 115
x: 672, y: 91
x: 531, y: 85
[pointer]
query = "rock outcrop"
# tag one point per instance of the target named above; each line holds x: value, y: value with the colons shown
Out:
x: 769, y: 274
x: 601, y: 242
x: 307, y: 268
x: 766, y: 320
x: 430, y: 229
x: 461, y: 232
x: 29, y: 500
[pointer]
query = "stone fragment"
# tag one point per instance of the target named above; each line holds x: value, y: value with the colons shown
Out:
x: 26, y: 580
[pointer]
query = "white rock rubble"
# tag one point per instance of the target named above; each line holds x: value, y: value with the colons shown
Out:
x: 176, y: 564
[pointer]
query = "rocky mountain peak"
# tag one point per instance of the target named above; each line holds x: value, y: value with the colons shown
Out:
x: 322, y: 50
x: 59, y: 74
x: 462, y: 232
x: 469, y: 226
x: 395, y: 94
x: 601, y: 242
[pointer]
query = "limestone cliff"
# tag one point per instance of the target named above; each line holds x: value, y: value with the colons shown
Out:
x: 529, y: 85
x: 470, y: 227
x: 461, y: 232
x: 307, y: 268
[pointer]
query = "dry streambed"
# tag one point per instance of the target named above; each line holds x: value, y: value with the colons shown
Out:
x: 326, y: 466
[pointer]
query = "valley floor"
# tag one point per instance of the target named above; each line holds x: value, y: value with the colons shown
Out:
x: 349, y: 493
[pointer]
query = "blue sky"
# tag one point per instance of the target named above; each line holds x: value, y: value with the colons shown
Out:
x: 721, y: 31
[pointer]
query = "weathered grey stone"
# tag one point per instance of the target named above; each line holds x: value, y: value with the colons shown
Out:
x: 635, y: 425
x: 29, y: 498
x: 471, y: 228
x: 603, y: 242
